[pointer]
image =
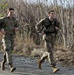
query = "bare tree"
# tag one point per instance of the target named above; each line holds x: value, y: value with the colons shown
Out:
x: 30, y: 13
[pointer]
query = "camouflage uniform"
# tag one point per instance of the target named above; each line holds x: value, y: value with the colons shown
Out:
x: 8, y: 24
x: 48, y: 27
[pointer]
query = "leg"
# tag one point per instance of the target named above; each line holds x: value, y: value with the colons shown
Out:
x: 4, y: 57
x: 44, y: 56
x: 12, y: 44
x: 3, y: 62
x: 50, y: 47
x: 8, y: 52
x: 12, y: 69
x: 50, y: 55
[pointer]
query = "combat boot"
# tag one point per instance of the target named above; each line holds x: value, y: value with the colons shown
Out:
x: 55, y: 69
x: 12, y: 69
x: 3, y: 65
x: 40, y: 62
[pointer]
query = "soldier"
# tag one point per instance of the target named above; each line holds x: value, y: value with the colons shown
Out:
x: 8, y: 26
x: 48, y: 26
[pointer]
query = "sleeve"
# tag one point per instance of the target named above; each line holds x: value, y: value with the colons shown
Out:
x: 57, y: 23
x: 1, y: 23
x: 16, y: 24
x: 39, y: 26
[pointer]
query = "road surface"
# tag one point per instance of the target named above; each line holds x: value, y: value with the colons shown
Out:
x: 28, y: 66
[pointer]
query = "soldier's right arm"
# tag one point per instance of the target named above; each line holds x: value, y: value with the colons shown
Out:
x: 39, y: 25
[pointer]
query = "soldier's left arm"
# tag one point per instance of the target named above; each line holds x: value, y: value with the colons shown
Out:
x: 57, y: 25
x: 16, y: 25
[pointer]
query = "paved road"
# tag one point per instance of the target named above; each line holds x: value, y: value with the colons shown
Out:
x: 28, y: 66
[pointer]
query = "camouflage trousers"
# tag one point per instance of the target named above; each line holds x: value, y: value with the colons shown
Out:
x: 50, y: 40
x: 8, y: 45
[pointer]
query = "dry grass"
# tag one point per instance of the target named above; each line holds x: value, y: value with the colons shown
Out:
x: 65, y: 57
x: 28, y: 48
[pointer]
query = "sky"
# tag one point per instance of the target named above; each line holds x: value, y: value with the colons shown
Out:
x: 64, y: 2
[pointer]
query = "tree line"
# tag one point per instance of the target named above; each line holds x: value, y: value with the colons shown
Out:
x: 29, y: 15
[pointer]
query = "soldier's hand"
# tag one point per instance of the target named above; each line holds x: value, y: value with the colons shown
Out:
x: 42, y: 33
x: 16, y: 29
x: 2, y: 32
x: 56, y: 28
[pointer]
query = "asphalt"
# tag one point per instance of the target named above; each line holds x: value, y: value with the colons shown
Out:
x: 28, y: 66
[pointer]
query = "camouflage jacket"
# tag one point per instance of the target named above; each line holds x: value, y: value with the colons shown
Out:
x: 48, y: 26
x: 8, y: 24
